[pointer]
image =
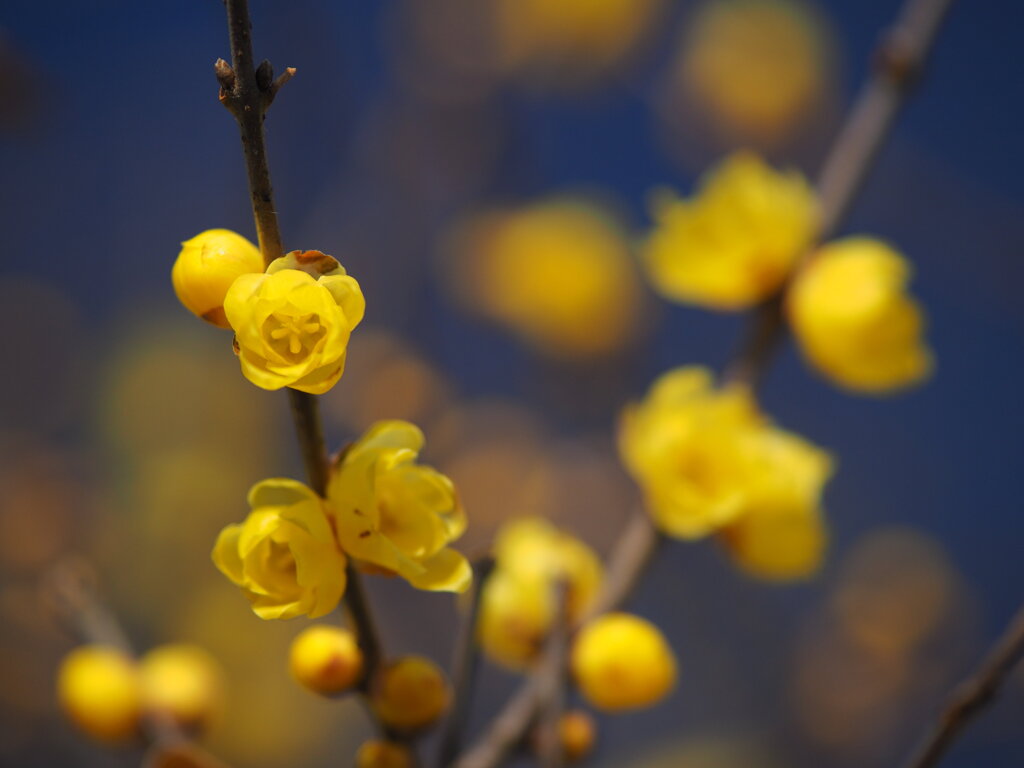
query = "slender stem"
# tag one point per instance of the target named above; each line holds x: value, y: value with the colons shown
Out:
x: 552, y: 700
x: 465, y: 663
x: 973, y: 695
x: 309, y: 430
x: 357, y: 606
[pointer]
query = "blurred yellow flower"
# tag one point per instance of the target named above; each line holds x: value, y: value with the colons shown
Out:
x: 519, y: 601
x: 558, y: 273
x: 98, y: 689
x: 397, y: 515
x: 621, y: 661
x: 758, y: 66
x: 284, y: 556
x: 326, y: 660
x: 707, y: 458
x: 577, y: 732
x: 854, y: 319
x: 184, y: 682
x: 207, y: 266
x: 736, y: 241
x: 384, y: 754
x: 292, y: 328
x: 410, y: 693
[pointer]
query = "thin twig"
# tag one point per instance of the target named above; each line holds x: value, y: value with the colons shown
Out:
x: 973, y: 695
x: 551, y: 702
x: 903, y: 54
x: 465, y: 663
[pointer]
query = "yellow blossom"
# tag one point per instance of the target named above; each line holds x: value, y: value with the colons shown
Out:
x: 292, y: 327
x: 706, y: 458
x: 736, y: 241
x: 326, y: 660
x: 384, y: 754
x: 577, y: 732
x: 183, y: 682
x: 284, y: 556
x: 410, y: 693
x: 519, y: 601
x: 396, y: 515
x: 98, y: 688
x: 207, y: 266
x: 854, y: 319
x: 622, y: 662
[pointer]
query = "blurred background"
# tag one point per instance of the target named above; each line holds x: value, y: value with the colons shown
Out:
x: 429, y: 145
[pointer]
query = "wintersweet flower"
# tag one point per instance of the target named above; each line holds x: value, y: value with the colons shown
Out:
x: 326, y: 660
x: 384, y: 754
x: 395, y: 515
x: 183, y: 682
x: 284, y: 556
x: 577, y: 733
x: 292, y: 324
x: 736, y: 241
x: 520, y: 599
x: 207, y: 266
x: 854, y: 320
x: 410, y: 693
x: 98, y: 688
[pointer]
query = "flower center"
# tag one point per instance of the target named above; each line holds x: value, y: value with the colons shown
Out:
x: 295, y: 334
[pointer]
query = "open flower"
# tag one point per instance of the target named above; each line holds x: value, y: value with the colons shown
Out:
x: 735, y: 242
x: 397, y: 515
x: 292, y: 327
x: 284, y: 556
x: 854, y: 320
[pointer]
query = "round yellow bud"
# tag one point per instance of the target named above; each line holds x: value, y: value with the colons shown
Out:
x: 182, y: 681
x: 207, y: 266
x: 383, y: 754
x: 411, y: 693
x: 576, y: 732
x: 98, y: 688
x: 622, y: 662
x: 326, y: 660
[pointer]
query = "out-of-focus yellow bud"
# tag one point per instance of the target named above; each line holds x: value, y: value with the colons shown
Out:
x: 735, y: 242
x: 577, y: 732
x: 292, y: 327
x: 397, y: 515
x: 284, y: 556
x: 410, y: 693
x: 98, y: 688
x: 184, y: 682
x: 326, y: 659
x: 559, y: 273
x: 622, y: 662
x: 854, y: 320
x: 384, y: 754
x: 519, y: 601
x: 207, y: 266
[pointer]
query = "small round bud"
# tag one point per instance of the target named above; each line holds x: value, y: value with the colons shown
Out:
x: 576, y: 732
x: 326, y: 659
x: 207, y: 266
x: 622, y: 662
x: 184, y: 682
x: 98, y: 688
x: 383, y: 754
x: 410, y: 693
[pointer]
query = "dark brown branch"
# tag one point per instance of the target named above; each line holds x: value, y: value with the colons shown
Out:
x: 973, y: 696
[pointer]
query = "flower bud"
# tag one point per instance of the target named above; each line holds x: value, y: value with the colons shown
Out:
x: 184, y: 682
x: 622, y: 662
x: 326, y: 659
x: 98, y: 688
x: 383, y: 754
x: 207, y: 266
x: 410, y: 693
x: 576, y: 732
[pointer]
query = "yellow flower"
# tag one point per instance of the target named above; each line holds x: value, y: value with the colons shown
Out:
x: 577, y: 732
x: 622, y: 662
x: 706, y: 458
x: 736, y: 241
x: 410, y: 693
x: 384, y: 754
x: 397, y: 515
x: 284, y: 556
x: 854, y: 320
x: 291, y: 328
x: 207, y: 266
x: 98, y: 688
x: 326, y: 660
x: 183, y: 682
x: 519, y: 600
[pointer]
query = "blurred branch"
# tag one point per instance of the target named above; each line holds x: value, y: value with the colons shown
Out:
x: 551, y: 702
x: 973, y: 696
x: 248, y: 91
